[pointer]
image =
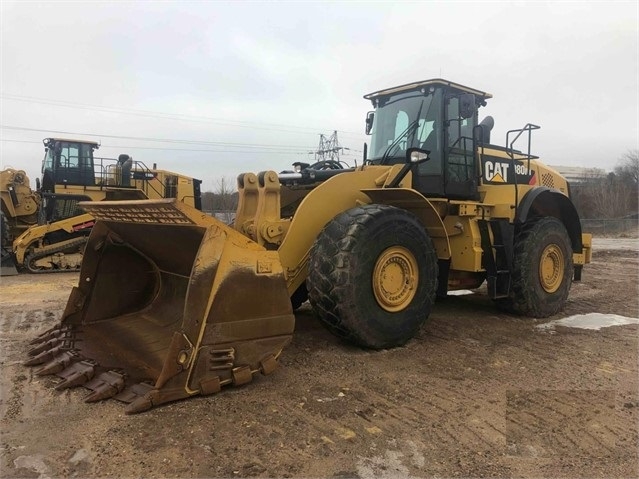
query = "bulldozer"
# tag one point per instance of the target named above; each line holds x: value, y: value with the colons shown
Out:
x: 48, y: 229
x: 162, y: 310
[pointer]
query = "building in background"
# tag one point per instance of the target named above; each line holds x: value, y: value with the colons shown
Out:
x: 580, y: 174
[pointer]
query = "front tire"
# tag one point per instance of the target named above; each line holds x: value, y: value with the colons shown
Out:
x: 373, y: 275
x: 542, y: 269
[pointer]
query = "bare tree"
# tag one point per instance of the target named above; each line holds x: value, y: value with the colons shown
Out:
x: 208, y: 199
x: 628, y: 167
x: 225, y: 200
x: 604, y: 196
x: 610, y: 196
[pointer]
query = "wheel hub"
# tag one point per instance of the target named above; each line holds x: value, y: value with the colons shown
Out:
x: 395, y: 279
x: 551, y: 268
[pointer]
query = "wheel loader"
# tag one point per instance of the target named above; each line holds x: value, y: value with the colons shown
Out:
x: 19, y: 211
x: 172, y: 303
x: 48, y: 228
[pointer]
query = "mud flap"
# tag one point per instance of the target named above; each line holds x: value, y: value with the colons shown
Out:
x: 170, y: 304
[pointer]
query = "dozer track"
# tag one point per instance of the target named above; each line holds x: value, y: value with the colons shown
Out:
x: 171, y: 303
x: 56, y: 260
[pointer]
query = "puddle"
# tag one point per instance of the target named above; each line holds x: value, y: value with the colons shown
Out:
x: 594, y: 321
x: 460, y: 292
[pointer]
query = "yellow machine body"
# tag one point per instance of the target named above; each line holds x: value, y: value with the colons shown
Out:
x: 172, y: 303
x: 20, y: 204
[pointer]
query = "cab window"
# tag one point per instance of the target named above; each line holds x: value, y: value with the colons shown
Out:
x: 70, y: 155
x: 47, y: 163
x: 460, y: 130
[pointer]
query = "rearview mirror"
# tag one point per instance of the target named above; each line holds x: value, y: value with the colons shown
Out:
x: 369, y: 121
x: 467, y: 105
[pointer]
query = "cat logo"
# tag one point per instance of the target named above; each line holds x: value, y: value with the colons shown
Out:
x: 496, y: 171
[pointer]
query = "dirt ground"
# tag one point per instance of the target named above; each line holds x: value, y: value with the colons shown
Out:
x: 476, y: 394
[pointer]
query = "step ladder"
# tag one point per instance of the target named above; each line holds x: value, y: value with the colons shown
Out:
x: 497, y: 257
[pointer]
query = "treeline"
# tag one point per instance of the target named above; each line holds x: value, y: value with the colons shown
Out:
x: 612, y: 195
x: 213, y: 201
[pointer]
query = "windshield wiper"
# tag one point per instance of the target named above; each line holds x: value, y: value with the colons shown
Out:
x: 397, y: 140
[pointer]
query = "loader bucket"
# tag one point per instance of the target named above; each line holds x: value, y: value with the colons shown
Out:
x: 171, y: 303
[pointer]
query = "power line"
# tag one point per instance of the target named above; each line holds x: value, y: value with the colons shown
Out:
x: 160, y: 140
x: 129, y: 147
x: 349, y: 152
x: 169, y: 116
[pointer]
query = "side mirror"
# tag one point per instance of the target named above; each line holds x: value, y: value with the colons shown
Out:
x: 467, y: 106
x: 370, y: 116
x: 416, y: 156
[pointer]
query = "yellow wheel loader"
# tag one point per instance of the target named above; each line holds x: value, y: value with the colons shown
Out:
x: 19, y: 207
x: 56, y: 232
x: 172, y: 303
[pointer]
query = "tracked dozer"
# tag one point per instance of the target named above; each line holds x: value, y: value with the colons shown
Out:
x: 171, y: 303
x: 50, y: 235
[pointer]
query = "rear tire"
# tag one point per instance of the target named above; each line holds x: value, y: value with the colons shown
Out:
x: 542, y: 269
x: 373, y: 275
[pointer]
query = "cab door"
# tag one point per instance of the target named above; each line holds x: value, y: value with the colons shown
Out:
x: 460, y: 169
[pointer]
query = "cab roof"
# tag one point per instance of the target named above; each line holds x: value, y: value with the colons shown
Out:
x: 432, y: 82
x: 70, y: 140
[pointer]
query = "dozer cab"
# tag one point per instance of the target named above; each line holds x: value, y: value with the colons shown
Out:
x: 171, y: 303
x: 55, y: 241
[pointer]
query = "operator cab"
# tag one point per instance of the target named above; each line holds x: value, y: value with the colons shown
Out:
x: 67, y: 162
x: 433, y: 115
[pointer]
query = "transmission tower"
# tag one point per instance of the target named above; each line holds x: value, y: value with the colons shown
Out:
x: 329, y: 148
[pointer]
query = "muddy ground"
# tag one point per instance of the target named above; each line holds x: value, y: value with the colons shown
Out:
x: 476, y: 394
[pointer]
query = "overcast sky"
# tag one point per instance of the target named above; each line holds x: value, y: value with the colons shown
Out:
x: 249, y: 86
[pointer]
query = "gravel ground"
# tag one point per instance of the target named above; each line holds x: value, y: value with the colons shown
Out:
x: 476, y: 394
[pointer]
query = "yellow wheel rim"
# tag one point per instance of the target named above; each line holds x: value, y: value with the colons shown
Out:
x: 395, y: 279
x: 551, y: 268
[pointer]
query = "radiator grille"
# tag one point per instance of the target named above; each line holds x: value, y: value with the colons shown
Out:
x: 547, y: 180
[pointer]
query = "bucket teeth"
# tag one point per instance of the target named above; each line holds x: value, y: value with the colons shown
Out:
x: 47, y: 335
x: 51, y: 340
x: 141, y: 404
x: 59, y: 363
x: 76, y: 375
x: 50, y: 344
x: 44, y: 356
x: 139, y: 396
x: 106, y: 385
